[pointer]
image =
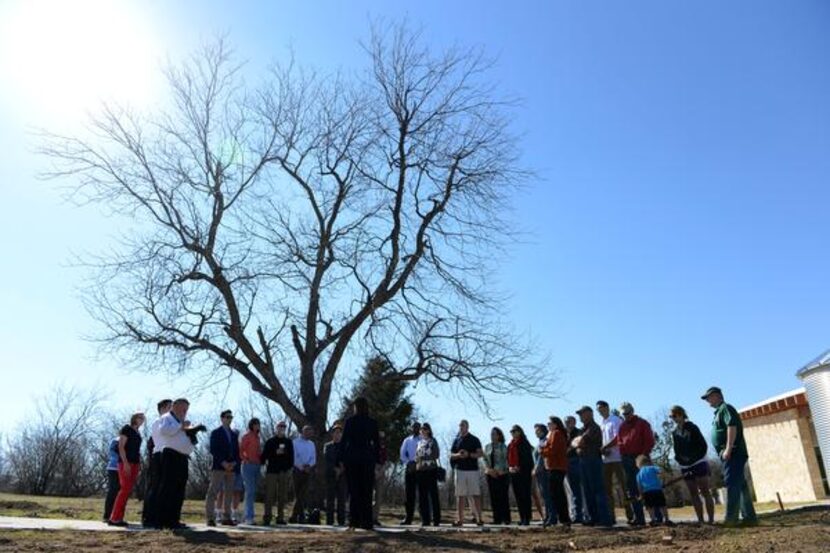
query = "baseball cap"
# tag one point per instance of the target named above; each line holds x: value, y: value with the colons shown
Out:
x: 584, y: 408
x: 710, y: 391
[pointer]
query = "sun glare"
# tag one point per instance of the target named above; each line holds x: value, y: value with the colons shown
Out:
x: 61, y: 57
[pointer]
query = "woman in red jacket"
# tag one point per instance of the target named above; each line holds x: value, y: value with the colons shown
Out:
x: 520, y: 467
x: 555, y: 454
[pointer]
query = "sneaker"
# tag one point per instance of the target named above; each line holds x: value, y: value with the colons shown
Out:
x: 119, y: 523
x: 280, y: 522
x: 211, y: 523
x: 457, y: 524
x: 266, y: 522
x: 229, y: 522
x: 669, y: 523
x: 405, y: 522
x: 248, y: 521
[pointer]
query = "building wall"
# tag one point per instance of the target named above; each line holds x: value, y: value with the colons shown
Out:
x: 781, y: 457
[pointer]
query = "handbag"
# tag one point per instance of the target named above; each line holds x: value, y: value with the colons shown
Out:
x: 440, y: 472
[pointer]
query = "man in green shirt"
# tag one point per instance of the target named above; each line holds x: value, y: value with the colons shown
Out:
x: 728, y: 439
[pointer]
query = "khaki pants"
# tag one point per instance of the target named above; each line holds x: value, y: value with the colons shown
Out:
x: 217, y: 478
x: 611, y: 472
x: 276, y: 491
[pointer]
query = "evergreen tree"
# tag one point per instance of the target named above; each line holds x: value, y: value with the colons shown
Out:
x: 388, y: 403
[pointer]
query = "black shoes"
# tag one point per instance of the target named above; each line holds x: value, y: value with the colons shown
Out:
x: 119, y: 523
x: 211, y: 523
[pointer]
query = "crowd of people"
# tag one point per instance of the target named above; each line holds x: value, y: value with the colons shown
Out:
x: 572, y: 472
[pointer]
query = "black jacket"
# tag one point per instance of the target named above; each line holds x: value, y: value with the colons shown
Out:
x: 278, y: 462
x: 690, y: 446
x: 361, y: 440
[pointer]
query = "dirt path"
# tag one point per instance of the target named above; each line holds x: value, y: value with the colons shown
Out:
x: 805, y: 531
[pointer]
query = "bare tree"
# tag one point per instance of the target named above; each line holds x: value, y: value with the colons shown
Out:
x: 55, y: 450
x: 282, y: 228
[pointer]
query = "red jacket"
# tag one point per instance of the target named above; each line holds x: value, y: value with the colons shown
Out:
x: 555, y: 451
x: 636, y: 437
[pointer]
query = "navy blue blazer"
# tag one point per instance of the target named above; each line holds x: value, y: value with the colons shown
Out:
x: 223, y: 449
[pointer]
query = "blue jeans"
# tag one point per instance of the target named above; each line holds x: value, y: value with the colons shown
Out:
x: 595, y: 497
x: 630, y: 467
x: 575, y: 483
x: 738, y: 497
x: 250, y: 476
x: 543, y: 481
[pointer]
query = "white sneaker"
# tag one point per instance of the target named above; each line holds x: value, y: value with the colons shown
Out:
x: 249, y: 521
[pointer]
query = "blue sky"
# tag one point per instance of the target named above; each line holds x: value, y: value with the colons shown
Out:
x: 676, y: 238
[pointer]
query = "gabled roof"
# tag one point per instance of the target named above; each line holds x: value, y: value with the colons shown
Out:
x: 820, y: 361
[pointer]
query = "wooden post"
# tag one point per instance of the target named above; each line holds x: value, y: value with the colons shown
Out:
x: 780, y: 503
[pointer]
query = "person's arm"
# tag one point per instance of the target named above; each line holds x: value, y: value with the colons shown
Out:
x: 122, y: 449
x: 169, y: 426
x: 648, y: 438
x: 404, y: 452
x: 731, y: 434
x: 243, y: 449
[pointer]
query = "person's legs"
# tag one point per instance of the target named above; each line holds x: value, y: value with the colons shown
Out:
x: 270, y: 497
x: 380, y: 481
x: 127, y: 476
x: 112, y: 492
x: 536, y: 497
x: 504, y: 494
x: 300, y: 488
x: 228, y: 498
x: 747, y: 508
x: 368, y: 488
x: 491, y: 488
x: 460, y: 500
x: 283, y: 482
x: 182, y: 470
x: 575, y: 483
x: 149, y: 512
x: 559, y: 498
x: 477, y: 508
x: 608, y: 486
x: 593, y: 480
x: 216, y: 477
x: 544, y: 486
x: 331, y: 494
x: 410, y: 484
x: 342, y: 492
x: 423, y: 496
x: 250, y: 475
x: 629, y: 466
x: 694, y: 492
x: 589, y: 492
x: 733, y: 478
x: 705, y: 489
x: 353, y: 483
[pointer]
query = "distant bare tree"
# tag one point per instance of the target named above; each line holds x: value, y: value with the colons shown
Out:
x: 279, y: 228
x: 54, y: 451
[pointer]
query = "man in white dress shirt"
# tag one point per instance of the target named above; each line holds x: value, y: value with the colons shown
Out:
x: 305, y: 459
x: 176, y: 446
x: 613, y: 474
x: 408, y: 449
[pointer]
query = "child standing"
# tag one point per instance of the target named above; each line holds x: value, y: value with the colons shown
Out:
x: 651, y: 490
